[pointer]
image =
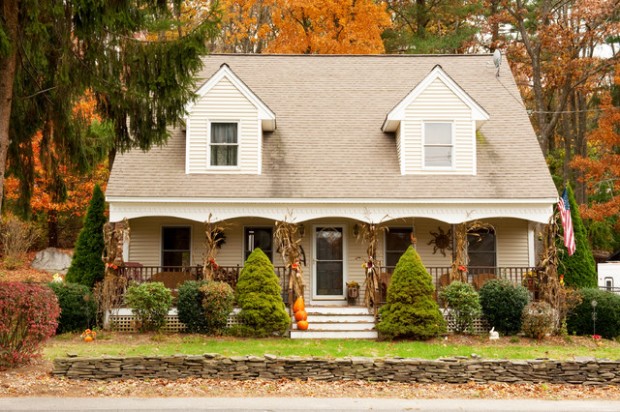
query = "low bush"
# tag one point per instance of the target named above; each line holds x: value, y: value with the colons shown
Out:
x: 189, y: 305
x: 463, y: 305
x: 217, y: 302
x: 537, y: 320
x: 260, y: 297
x: 502, y: 305
x: 78, y: 309
x: 150, y: 303
x: 579, y: 320
x: 28, y: 317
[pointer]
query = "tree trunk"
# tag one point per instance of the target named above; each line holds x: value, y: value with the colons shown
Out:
x: 8, y: 64
x: 52, y: 228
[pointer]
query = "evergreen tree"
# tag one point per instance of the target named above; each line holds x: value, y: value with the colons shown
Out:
x: 579, y: 270
x: 87, y: 266
x: 411, y: 311
x: 136, y: 58
x: 260, y: 297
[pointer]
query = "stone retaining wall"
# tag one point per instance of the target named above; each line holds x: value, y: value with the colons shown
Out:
x: 452, y: 370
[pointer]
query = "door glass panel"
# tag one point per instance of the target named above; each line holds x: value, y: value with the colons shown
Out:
x: 329, y: 265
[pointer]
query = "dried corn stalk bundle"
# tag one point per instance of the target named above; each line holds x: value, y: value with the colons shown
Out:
x: 214, y: 239
x: 460, y: 262
x: 288, y: 243
x: 110, y: 292
x: 370, y: 233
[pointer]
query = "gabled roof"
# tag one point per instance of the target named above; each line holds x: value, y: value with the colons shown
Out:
x: 398, y: 112
x: 329, y: 143
x: 265, y: 114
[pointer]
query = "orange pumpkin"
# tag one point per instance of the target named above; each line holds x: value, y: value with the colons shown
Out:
x: 299, y: 305
x: 302, y: 325
x: 301, y: 315
x: 88, y: 338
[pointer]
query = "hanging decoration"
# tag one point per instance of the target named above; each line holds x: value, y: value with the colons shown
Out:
x: 287, y: 237
x: 441, y: 241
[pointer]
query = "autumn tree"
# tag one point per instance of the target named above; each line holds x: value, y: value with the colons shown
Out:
x: 299, y: 26
x: 432, y: 26
x: 135, y: 57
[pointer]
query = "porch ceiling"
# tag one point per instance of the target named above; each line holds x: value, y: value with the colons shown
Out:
x: 450, y: 212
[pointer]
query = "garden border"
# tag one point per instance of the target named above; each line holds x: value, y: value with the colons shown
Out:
x: 586, y: 371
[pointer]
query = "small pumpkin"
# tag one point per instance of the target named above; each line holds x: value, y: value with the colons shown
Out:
x: 88, y: 338
x: 302, y: 325
x: 301, y: 315
x: 299, y: 305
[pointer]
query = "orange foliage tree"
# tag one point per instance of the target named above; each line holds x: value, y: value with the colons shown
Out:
x: 57, y: 188
x: 601, y: 169
x: 299, y: 26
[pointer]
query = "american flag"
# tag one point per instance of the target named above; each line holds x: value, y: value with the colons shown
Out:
x: 567, y: 223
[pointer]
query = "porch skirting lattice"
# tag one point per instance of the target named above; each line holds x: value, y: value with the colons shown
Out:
x: 122, y: 320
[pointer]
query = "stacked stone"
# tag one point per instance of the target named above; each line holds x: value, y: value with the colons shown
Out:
x: 450, y: 370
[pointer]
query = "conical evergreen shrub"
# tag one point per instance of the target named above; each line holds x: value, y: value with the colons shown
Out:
x: 87, y: 266
x: 260, y: 297
x: 410, y: 312
x: 579, y: 270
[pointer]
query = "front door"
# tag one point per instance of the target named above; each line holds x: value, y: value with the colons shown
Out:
x: 329, y: 263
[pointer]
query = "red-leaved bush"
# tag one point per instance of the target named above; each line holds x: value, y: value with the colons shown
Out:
x: 28, y: 316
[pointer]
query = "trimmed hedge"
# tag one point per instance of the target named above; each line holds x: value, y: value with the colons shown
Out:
x: 150, y: 303
x: 410, y: 311
x: 259, y: 295
x: 217, y: 302
x: 463, y: 304
x: 78, y: 309
x: 502, y: 305
x: 189, y: 305
x: 579, y: 319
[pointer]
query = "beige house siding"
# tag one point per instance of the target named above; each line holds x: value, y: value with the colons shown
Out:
x: 145, y: 246
x: 224, y: 103
x: 437, y: 103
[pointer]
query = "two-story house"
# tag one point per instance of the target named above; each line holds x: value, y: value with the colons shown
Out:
x: 419, y: 143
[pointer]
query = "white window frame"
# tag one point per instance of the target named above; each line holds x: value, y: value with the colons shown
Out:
x: 451, y: 145
x: 238, y: 144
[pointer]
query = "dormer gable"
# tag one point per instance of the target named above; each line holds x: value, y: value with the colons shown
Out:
x: 265, y: 114
x: 397, y: 114
x: 435, y: 127
x: 225, y: 125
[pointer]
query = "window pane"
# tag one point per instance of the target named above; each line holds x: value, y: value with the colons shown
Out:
x: 438, y: 156
x: 329, y: 243
x: 397, y: 240
x: 259, y: 238
x: 223, y: 132
x: 176, y: 238
x: 481, y: 248
x: 223, y: 155
x: 438, y: 133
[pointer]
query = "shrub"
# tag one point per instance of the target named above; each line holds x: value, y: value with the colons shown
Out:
x: 502, y: 304
x: 87, y: 266
x: 28, y: 317
x: 16, y: 237
x: 580, y: 321
x: 150, y: 303
x: 217, y: 302
x: 579, y: 269
x: 189, y: 305
x: 537, y: 320
x: 259, y: 296
x: 463, y: 305
x: 78, y: 309
x: 411, y: 311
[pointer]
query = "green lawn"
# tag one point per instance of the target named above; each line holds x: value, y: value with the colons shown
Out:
x: 113, y: 344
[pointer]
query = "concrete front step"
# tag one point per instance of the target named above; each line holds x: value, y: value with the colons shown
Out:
x: 337, y: 322
x: 333, y: 334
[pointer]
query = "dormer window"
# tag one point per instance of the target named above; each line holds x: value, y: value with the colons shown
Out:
x: 438, y: 145
x: 224, y: 144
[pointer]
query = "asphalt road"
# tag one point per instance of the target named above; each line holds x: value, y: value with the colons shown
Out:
x: 297, y: 404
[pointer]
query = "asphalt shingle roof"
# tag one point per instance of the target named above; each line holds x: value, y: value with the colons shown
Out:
x: 329, y: 144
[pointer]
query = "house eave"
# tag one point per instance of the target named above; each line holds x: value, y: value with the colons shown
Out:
x: 451, y: 211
